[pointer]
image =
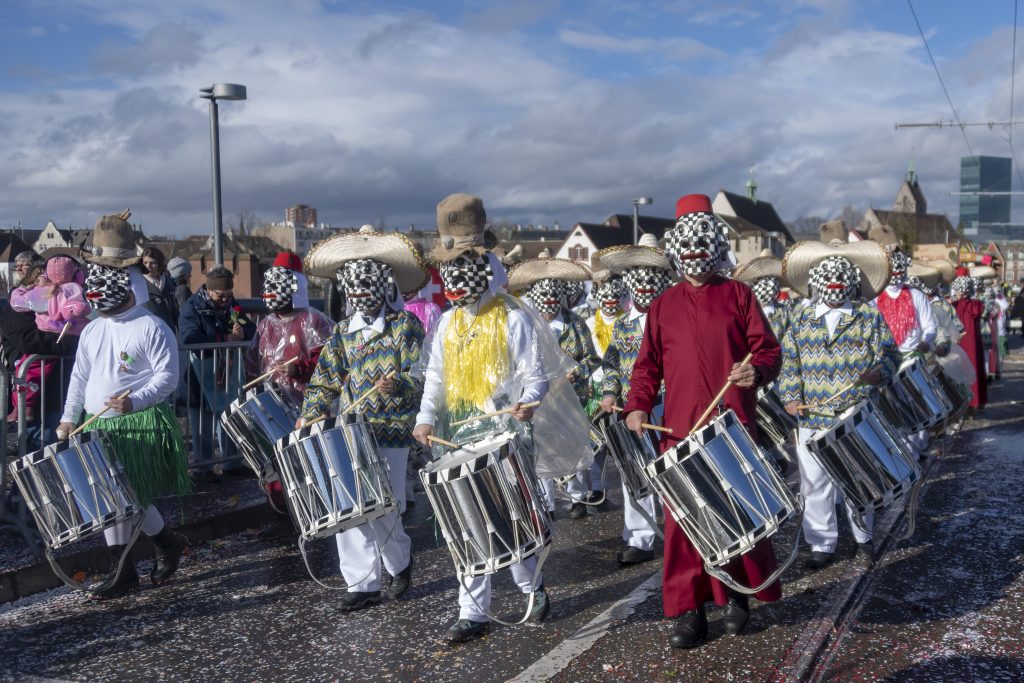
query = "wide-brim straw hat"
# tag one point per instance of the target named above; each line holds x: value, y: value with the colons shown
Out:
x: 621, y: 258
x: 391, y: 248
x: 867, y: 255
x: 946, y: 269
x: 834, y: 229
x: 755, y: 269
x: 112, y: 242
x: 537, y: 269
x: 929, y: 276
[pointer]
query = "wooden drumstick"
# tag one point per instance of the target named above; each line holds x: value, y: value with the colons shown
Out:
x: 813, y: 406
x: 266, y: 375
x: 366, y: 394
x: 63, y: 331
x: 716, y: 399
x: 647, y: 425
x: 97, y: 415
x: 434, y: 439
x: 315, y: 420
x: 503, y: 411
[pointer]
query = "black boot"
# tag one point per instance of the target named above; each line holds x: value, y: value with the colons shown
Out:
x: 737, y: 613
x: 168, y: 546
x: 127, y: 583
x: 691, y: 629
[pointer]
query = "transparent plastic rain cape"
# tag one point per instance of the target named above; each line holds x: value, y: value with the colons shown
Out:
x: 490, y: 361
x: 279, y: 339
x: 958, y: 365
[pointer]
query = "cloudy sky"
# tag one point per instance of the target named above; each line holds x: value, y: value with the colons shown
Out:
x: 549, y: 110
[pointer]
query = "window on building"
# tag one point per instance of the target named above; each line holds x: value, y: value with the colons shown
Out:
x: 579, y: 253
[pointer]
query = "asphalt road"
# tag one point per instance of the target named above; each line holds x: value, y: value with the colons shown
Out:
x: 943, y: 605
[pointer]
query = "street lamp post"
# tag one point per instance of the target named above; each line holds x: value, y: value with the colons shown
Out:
x: 218, y: 91
x: 636, y: 216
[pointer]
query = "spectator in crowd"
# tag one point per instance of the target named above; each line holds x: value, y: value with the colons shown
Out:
x: 180, y: 271
x: 212, y: 316
x: 1018, y: 310
x: 161, y: 287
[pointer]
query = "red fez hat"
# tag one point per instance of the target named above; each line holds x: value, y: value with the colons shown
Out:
x: 289, y: 260
x: 962, y: 272
x: 693, y: 203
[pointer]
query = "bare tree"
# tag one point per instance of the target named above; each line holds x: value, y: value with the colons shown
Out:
x: 246, y: 221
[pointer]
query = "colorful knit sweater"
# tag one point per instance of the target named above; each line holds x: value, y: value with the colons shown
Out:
x: 816, y: 366
x: 575, y: 341
x: 620, y: 356
x: 351, y: 364
x: 779, y: 320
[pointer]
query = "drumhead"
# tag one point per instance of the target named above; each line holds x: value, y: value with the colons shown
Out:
x: 844, y: 417
x: 471, y: 451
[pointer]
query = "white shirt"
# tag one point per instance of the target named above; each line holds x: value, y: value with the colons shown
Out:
x: 635, y: 314
x: 768, y: 310
x: 132, y: 350
x: 832, y: 315
x: 557, y: 324
x: 369, y: 328
x: 519, y: 346
x: 926, y: 328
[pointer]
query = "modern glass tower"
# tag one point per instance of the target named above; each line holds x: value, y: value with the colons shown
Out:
x: 985, y: 217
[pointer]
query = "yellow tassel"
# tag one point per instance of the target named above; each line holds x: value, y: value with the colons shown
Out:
x: 603, y: 330
x: 475, y: 357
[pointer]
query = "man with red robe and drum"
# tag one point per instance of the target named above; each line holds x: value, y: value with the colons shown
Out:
x: 834, y: 352
x: 696, y: 336
x: 971, y: 311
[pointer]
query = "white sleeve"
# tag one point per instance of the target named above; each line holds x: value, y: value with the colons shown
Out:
x: 164, y: 379
x: 526, y: 357
x: 925, y: 316
x: 433, y: 376
x: 80, y: 371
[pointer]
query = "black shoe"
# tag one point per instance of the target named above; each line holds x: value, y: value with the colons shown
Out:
x: 168, y: 547
x: 633, y: 555
x: 355, y: 600
x: 127, y: 583
x: 464, y: 630
x: 865, y: 551
x: 577, y: 511
x: 541, y: 606
x: 691, y: 629
x: 818, y: 560
x: 400, y: 583
x: 737, y: 613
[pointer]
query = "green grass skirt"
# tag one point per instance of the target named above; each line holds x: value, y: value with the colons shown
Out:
x: 149, y: 446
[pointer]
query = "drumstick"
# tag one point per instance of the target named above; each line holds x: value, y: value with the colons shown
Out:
x: 647, y: 425
x: 811, y: 406
x: 503, y: 411
x: 94, y: 417
x: 366, y: 394
x: 268, y: 373
x: 314, y: 420
x: 449, y: 444
x: 64, y: 330
x: 716, y: 399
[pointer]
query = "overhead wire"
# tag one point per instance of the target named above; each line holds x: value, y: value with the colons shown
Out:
x: 1013, y: 77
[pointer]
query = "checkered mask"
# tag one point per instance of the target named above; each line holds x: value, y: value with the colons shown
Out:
x: 106, y: 287
x: 697, y: 244
x: 767, y: 290
x: 547, y: 295
x: 899, y: 263
x: 366, y: 284
x: 963, y: 287
x: 834, y: 280
x: 466, y: 279
x: 279, y: 286
x: 609, y: 294
x: 574, y: 291
x: 646, y: 284
x: 916, y: 283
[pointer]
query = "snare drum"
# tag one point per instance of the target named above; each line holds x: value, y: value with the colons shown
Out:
x: 75, y: 489
x: 632, y: 454
x: 256, y: 423
x: 334, y: 477
x: 486, y: 501
x: 775, y: 427
x: 722, y: 491
x: 917, y: 394
x: 870, y: 462
x: 958, y: 394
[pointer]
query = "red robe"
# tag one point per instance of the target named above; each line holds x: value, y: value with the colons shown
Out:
x: 693, y: 337
x: 970, y: 312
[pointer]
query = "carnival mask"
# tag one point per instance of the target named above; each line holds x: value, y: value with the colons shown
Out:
x: 645, y: 285
x: 834, y: 280
x: 899, y: 263
x: 366, y: 284
x: 574, y: 291
x: 547, y: 295
x: 466, y: 279
x: 279, y: 286
x: 609, y: 294
x: 767, y: 289
x: 107, y: 287
x: 697, y: 244
x: 963, y: 287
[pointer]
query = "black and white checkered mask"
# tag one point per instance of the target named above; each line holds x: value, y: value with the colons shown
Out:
x: 366, y: 284
x: 899, y: 264
x: 466, y: 279
x: 107, y: 287
x: 646, y: 284
x: 834, y: 280
x: 767, y: 290
x: 916, y: 283
x: 964, y: 287
x: 547, y: 295
x: 574, y: 291
x: 697, y: 245
x: 609, y: 294
x: 279, y: 287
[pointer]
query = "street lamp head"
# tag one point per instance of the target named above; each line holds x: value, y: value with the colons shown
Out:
x: 223, y: 91
x: 643, y: 200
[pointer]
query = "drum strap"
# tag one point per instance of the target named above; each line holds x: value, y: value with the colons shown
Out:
x: 113, y: 578
x: 309, y: 570
x: 529, y: 603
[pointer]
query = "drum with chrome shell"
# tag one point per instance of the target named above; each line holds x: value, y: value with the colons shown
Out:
x: 485, y: 498
x: 915, y: 393
x: 333, y: 476
x: 775, y: 427
x: 256, y: 422
x: 632, y: 454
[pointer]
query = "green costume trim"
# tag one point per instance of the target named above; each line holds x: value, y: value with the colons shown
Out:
x: 149, y: 446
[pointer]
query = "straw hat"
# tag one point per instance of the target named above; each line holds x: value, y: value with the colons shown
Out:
x: 884, y: 235
x: 534, y: 270
x: 929, y: 276
x: 834, y: 229
x: 460, y: 223
x: 112, y: 242
x: 392, y: 249
x: 867, y: 255
x: 755, y: 269
x: 945, y: 268
x: 625, y: 256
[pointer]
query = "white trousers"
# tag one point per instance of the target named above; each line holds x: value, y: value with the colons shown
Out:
x: 595, y: 470
x: 120, y: 534
x: 820, y: 525
x: 475, y: 592
x: 918, y: 442
x: 362, y: 549
x: 637, y: 531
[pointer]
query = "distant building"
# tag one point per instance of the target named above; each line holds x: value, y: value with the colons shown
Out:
x: 52, y: 237
x: 296, y: 238
x: 586, y: 238
x: 985, y: 217
x: 1013, y: 253
x: 754, y: 224
x: 300, y: 216
x: 909, y: 217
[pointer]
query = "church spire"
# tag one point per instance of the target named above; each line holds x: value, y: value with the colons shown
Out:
x: 752, y: 187
x: 911, y: 173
